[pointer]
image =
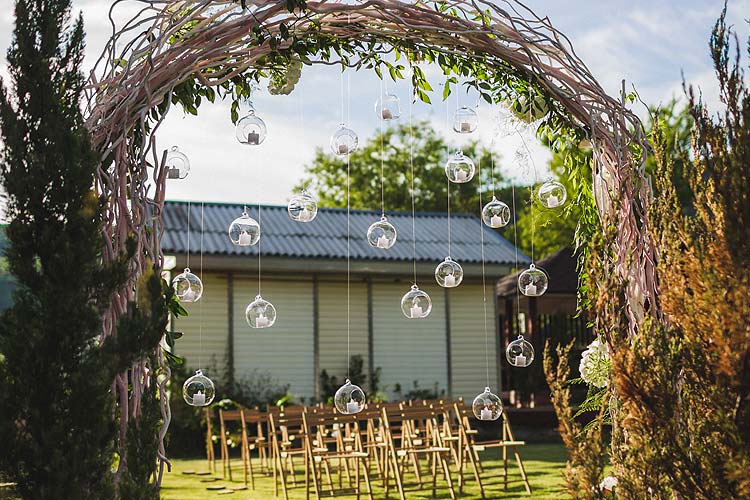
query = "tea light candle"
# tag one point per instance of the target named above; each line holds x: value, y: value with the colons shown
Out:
x: 386, y: 114
x: 496, y: 221
x: 530, y: 289
x: 553, y: 201
x: 520, y: 360
x: 450, y: 280
x: 261, y: 321
x: 189, y: 295
x: 465, y: 127
x: 485, y: 414
x: 199, y: 399
x: 245, y: 239
x: 343, y: 149
x: 352, y: 407
x: 461, y: 176
x: 416, y: 311
x: 173, y: 173
x: 253, y: 138
x: 305, y: 215
x: 383, y: 242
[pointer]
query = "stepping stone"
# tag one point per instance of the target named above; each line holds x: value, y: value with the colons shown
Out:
x: 216, y: 487
x: 239, y: 487
x: 226, y: 492
x: 203, y: 473
x: 209, y: 480
x: 189, y: 472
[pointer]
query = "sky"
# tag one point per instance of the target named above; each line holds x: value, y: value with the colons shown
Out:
x: 650, y: 44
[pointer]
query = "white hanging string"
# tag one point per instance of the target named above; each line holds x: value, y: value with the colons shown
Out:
x: 260, y: 224
x: 515, y: 245
x: 484, y: 280
x: 449, y: 127
x: 187, y: 263
x: 413, y: 204
x: 382, y: 157
x: 200, y: 304
x: 348, y: 235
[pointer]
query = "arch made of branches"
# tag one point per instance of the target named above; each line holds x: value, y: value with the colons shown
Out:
x: 182, y: 52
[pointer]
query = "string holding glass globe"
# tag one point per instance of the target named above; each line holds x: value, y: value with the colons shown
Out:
x: 520, y: 353
x: 552, y: 194
x: 496, y: 213
x: 416, y: 304
x: 349, y: 399
x: 187, y: 286
x: 382, y: 234
x: 177, y: 163
x: 533, y: 282
x: 459, y: 168
x: 198, y: 390
x: 303, y: 207
x: 260, y: 313
x: 487, y: 406
x: 388, y: 107
x: 344, y: 141
x: 449, y: 273
x: 465, y: 120
x: 251, y: 129
x: 244, y: 231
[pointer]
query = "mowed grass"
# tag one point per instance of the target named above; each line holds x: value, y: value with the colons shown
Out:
x: 544, y: 466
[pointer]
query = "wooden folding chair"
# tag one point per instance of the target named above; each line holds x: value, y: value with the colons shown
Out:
x: 254, y: 422
x: 285, y: 431
x: 210, y: 454
x: 226, y: 417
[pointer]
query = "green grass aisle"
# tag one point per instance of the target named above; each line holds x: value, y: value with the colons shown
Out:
x: 544, y: 466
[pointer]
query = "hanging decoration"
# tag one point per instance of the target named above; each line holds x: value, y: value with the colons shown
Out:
x: 487, y: 406
x: 303, y: 207
x: 177, y: 163
x: 449, y: 273
x: 198, y: 390
x: 260, y: 313
x: 344, y: 141
x: 251, y: 129
x: 382, y: 234
x: 459, y: 168
x: 349, y: 399
x: 388, y: 107
x: 187, y: 286
x: 496, y: 213
x: 244, y: 231
x: 520, y: 352
x: 416, y: 304
x: 533, y: 282
x: 465, y: 120
x: 552, y: 194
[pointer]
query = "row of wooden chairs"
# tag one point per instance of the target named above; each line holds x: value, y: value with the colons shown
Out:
x: 400, y: 446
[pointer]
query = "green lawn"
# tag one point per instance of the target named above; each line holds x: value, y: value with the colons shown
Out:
x: 544, y: 465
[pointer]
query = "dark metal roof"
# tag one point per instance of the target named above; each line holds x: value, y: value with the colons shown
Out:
x: 560, y: 267
x: 325, y: 237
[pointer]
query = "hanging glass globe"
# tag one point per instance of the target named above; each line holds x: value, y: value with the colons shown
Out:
x: 177, y: 163
x: 250, y: 129
x: 449, y: 273
x: 381, y: 234
x: 496, y: 213
x: 416, y: 304
x: 520, y: 352
x: 349, y: 399
x: 487, y: 406
x: 303, y: 207
x: 198, y: 390
x: 533, y: 282
x: 465, y: 120
x: 260, y: 313
x: 388, y: 107
x: 459, y: 168
x: 344, y: 141
x: 552, y: 194
x: 187, y: 286
x: 244, y: 231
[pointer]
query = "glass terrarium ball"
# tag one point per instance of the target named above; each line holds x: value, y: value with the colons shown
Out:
x: 496, y: 213
x: 251, y: 129
x: 416, y: 304
x: 260, y: 313
x: 529, y: 110
x: 244, y: 231
x: 552, y: 194
x: 388, y: 107
x: 198, y: 390
x: 449, y: 273
x: 344, y: 141
x: 487, y: 406
x: 349, y: 399
x: 187, y: 286
x: 465, y: 120
x: 177, y: 163
x: 533, y: 282
x: 381, y: 234
x: 303, y: 207
x: 520, y: 352
x: 459, y: 168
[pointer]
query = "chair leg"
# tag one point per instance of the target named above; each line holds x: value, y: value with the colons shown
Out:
x: 447, y: 472
x: 523, y: 470
x: 367, y: 480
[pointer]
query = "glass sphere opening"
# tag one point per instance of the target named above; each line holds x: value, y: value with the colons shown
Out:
x: 465, y: 120
x: 349, y: 399
x: 416, y: 304
x: 344, y: 141
x: 388, y: 107
x: 520, y: 352
x: 198, y: 390
x: 260, y: 313
x: 449, y: 273
x: 177, y: 163
x: 533, y: 282
x: 382, y: 234
x: 187, y: 286
x: 303, y: 207
x: 251, y: 129
x: 487, y: 406
x: 459, y: 168
x: 496, y: 213
x: 552, y: 194
x: 244, y: 231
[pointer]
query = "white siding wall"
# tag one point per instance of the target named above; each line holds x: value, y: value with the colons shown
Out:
x: 213, y: 309
x: 468, y: 340
x: 284, y: 350
x: 332, y: 323
x: 408, y: 349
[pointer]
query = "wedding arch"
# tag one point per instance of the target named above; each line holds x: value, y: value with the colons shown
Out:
x: 188, y: 51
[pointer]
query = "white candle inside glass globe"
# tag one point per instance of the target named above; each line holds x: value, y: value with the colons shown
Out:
x: 553, y: 201
x: 530, y: 289
x: 305, y: 215
x: 189, y: 294
x: 496, y: 221
x: 262, y: 321
x: 352, y: 407
x: 416, y: 311
x: 465, y: 127
x: 485, y: 414
x: 173, y: 173
x: 450, y: 280
x: 382, y: 242
x: 386, y: 114
x: 461, y: 175
x: 245, y: 239
x: 253, y: 138
x: 343, y: 149
x: 199, y: 399
x: 520, y: 360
